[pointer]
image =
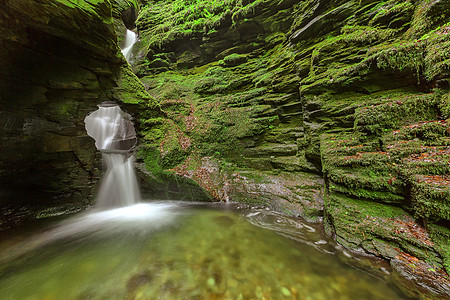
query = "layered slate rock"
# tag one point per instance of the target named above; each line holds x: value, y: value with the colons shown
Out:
x: 346, y: 100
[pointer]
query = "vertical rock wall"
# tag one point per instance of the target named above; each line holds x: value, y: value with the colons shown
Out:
x: 58, y: 60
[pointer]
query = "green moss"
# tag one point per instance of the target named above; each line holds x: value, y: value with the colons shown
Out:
x: 396, y: 112
x: 173, y: 158
x: 214, y: 107
x: 392, y: 11
x: 431, y: 197
x: 426, y: 133
x: 444, y: 106
x: 368, y: 194
x: 180, y: 18
x: 151, y: 157
x: 131, y: 90
x: 354, y: 169
x: 121, y: 5
x: 378, y: 226
x: 427, y: 56
x: 219, y: 80
x: 441, y: 237
x: 340, y: 59
x: 427, y: 163
x: 356, y: 220
x: 376, y: 179
x: 233, y: 60
x: 428, y: 14
x: 88, y: 5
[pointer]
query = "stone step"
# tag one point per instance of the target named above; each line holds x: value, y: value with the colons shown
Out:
x: 431, y: 196
x: 285, y: 135
x: 279, y: 99
x: 293, y: 164
x: 291, y: 116
x: 291, y: 106
x: 272, y: 150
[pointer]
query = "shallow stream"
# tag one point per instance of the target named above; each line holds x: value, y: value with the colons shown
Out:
x: 168, y: 250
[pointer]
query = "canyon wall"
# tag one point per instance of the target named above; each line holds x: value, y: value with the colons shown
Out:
x: 335, y: 111
x: 58, y: 60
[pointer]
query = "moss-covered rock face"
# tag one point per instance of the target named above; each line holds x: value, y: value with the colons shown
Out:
x: 286, y: 101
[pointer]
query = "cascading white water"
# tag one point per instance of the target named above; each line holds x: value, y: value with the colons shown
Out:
x: 118, y: 208
x: 130, y: 40
x: 111, y: 128
x: 119, y: 184
x: 114, y: 136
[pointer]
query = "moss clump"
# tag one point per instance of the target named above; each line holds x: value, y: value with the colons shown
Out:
x: 233, y: 60
x: 393, y: 13
x: 383, y: 229
x: 351, y: 55
x: 444, y: 106
x: 432, y: 162
x: 176, y: 19
x: 427, y: 56
x: 396, y: 112
x: 431, y: 197
x: 131, y: 90
x: 356, y: 220
x: 441, y: 237
x: 422, y: 134
x: 151, y: 157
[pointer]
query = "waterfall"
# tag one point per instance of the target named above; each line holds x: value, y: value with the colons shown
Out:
x: 119, y: 184
x: 111, y: 128
x: 130, y: 40
x: 114, y: 136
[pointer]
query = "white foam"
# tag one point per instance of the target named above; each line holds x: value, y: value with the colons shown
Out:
x: 130, y: 40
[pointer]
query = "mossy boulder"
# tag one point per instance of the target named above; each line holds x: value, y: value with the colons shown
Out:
x: 233, y: 60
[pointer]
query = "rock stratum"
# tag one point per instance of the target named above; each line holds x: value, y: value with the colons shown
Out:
x: 334, y: 111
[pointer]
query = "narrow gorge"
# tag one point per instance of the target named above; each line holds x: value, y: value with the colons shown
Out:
x: 332, y: 112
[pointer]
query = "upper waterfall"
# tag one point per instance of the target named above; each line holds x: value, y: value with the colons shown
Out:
x: 130, y: 40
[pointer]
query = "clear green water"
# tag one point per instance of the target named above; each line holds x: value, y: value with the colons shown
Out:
x: 202, y: 252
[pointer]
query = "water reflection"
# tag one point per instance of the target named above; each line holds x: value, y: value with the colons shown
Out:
x: 175, y: 251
